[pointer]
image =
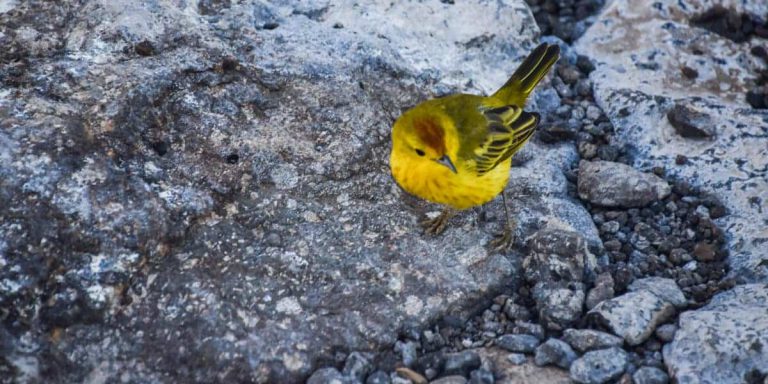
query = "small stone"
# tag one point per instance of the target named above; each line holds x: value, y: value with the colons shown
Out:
x: 357, y: 366
x: 408, y: 351
x: 587, y: 150
x: 328, y: 376
x: 610, y: 227
x: 452, y: 379
x: 603, y: 290
x: 461, y: 363
x: 690, y: 123
x: 144, y: 48
x: 650, y: 375
x: 528, y: 328
x: 666, y: 332
x: 558, y: 307
x: 516, y: 311
x: 601, y: 366
x: 612, y: 184
x: 585, y: 340
x: 704, y: 252
x: 633, y: 316
x: 518, y: 343
x: 378, y: 377
x: 481, y: 376
x: 665, y: 289
x: 556, y: 352
x: 517, y: 358
x: 411, y: 375
x: 689, y: 72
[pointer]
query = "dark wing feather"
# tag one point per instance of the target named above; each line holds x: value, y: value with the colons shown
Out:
x: 509, y: 127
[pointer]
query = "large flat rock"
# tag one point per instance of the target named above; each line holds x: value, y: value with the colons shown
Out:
x: 199, y: 191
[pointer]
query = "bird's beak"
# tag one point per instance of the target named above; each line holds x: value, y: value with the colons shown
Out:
x: 445, y: 160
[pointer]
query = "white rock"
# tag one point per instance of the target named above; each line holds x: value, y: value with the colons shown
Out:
x: 633, y: 315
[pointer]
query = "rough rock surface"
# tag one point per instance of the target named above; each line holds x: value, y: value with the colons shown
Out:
x: 554, y: 351
x: 526, y: 373
x: 641, y: 54
x: 633, y: 315
x: 612, y: 184
x: 196, y: 188
x: 724, y: 341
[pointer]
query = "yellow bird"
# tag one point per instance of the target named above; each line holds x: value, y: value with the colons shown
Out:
x: 457, y: 150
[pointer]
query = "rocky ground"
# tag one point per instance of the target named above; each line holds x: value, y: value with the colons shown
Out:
x: 199, y: 192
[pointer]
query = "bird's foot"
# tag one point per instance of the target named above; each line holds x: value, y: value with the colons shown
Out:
x: 503, y: 241
x: 437, y: 225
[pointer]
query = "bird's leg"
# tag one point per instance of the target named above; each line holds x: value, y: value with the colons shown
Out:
x: 437, y: 225
x: 503, y: 241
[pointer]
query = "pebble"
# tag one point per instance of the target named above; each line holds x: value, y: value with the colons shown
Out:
x: 665, y: 289
x: 452, y: 379
x: 327, y: 376
x: 650, y: 375
x: 378, y: 377
x: 556, y: 352
x: 357, y: 366
x: 518, y: 343
x: 517, y: 358
x: 601, y: 366
x: 528, y: 328
x: 603, y: 290
x: 413, y: 376
x: 585, y: 340
x: 666, y: 332
x: 461, y: 363
x: 408, y: 351
x: 481, y: 376
x: 613, y: 184
x: 633, y: 315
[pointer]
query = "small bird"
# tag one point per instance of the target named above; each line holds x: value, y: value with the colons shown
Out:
x: 457, y: 150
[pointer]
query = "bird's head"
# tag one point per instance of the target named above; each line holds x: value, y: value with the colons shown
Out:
x: 420, y: 138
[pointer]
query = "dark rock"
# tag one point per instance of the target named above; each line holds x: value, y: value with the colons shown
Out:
x: 704, y: 252
x: 650, y: 375
x: 618, y: 185
x: 481, y: 376
x: 357, y: 366
x: 690, y: 123
x: 144, y: 48
x: 328, y: 376
x: 461, y: 363
x: 558, y: 255
x: 518, y: 343
x: 555, y: 352
x: 378, y: 377
x: 585, y: 340
x: 603, y: 290
x: 599, y: 366
x: 666, y: 332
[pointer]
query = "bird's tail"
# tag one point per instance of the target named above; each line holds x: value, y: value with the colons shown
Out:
x: 530, y: 72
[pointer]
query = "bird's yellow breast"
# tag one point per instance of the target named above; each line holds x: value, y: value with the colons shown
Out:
x: 436, y: 183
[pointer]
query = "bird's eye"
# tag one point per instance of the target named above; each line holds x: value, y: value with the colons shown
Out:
x: 420, y: 152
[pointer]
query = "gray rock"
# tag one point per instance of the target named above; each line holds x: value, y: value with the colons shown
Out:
x: 357, y: 366
x: 650, y: 375
x: 209, y: 181
x: 560, y: 256
x: 665, y: 289
x: 378, y: 377
x: 731, y: 165
x: 585, y: 340
x: 461, y: 363
x: 666, y: 332
x: 453, y: 379
x: 328, y: 376
x: 516, y: 311
x: 528, y: 328
x: 518, y: 343
x: 481, y: 376
x: 733, y: 327
x: 601, y: 366
x: 633, y: 316
x: 603, y: 290
x: 408, y: 351
x: 555, y: 352
x: 689, y: 122
x: 613, y: 184
x: 516, y: 358
x: 558, y: 307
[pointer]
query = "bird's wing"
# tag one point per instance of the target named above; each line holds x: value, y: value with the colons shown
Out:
x: 509, y: 127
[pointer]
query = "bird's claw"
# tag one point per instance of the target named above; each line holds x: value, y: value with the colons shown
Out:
x: 503, y: 241
x: 437, y: 225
